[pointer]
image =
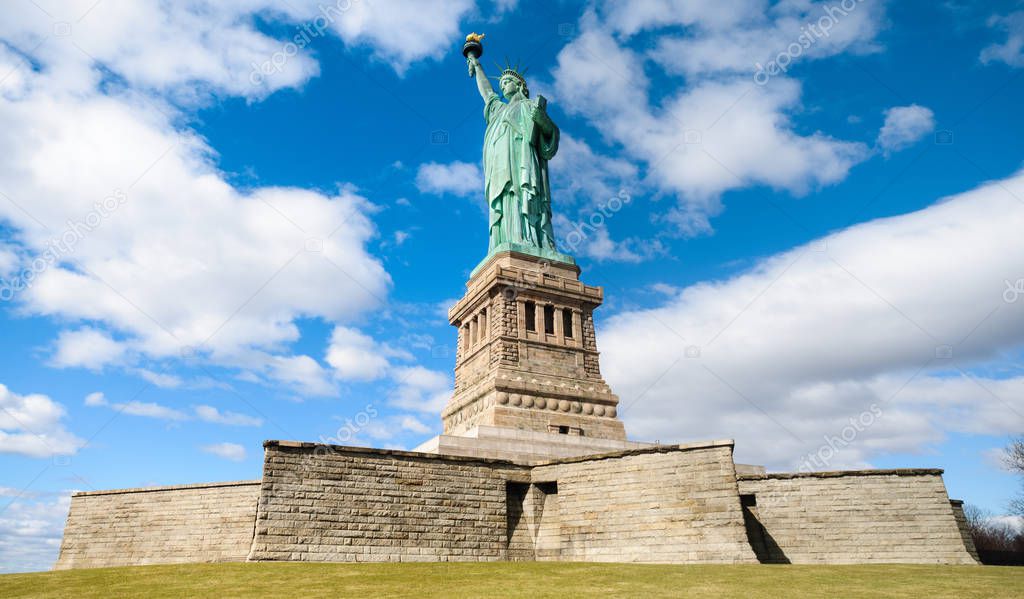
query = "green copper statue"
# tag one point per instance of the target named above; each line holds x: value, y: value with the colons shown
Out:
x: 519, y: 141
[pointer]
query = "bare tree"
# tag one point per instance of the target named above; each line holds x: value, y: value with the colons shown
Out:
x: 977, y: 519
x: 1015, y: 462
x: 991, y: 533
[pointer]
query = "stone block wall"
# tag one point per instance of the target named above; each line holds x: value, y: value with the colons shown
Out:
x: 882, y: 516
x: 656, y: 504
x: 331, y: 503
x: 965, y: 531
x: 160, y: 525
x: 668, y: 504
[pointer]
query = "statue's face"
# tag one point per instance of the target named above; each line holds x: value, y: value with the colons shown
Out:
x: 509, y: 86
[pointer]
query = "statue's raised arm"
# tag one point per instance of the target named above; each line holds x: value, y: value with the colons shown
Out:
x: 472, y: 51
x: 483, y: 85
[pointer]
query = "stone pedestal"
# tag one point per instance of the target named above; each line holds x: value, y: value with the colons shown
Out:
x: 522, y: 446
x: 527, y: 352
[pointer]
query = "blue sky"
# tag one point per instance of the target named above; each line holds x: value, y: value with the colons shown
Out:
x: 260, y: 241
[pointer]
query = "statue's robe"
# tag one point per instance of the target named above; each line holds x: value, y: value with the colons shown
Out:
x: 516, y: 186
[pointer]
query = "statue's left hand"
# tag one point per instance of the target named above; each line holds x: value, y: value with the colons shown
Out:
x: 538, y: 114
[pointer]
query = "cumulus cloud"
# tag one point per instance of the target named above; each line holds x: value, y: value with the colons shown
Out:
x: 421, y: 389
x: 397, y: 32
x: 1010, y: 52
x: 191, y: 50
x: 302, y: 372
x: 31, y: 529
x: 33, y: 426
x: 742, y: 36
x: 186, y: 264
x: 414, y: 425
x: 720, y: 130
x: 355, y: 356
x: 904, y: 126
x: 228, y: 451
x: 582, y: 237
x: 186, y: 50
x: 588, y: 178
x: 153, y: 410
x: 86, y: 348
x: 456, y: 178
x: 8, y: 258
x: 160, y: 379
x: 886, y: 322
x: 136, y: 408
x: 212, y: 414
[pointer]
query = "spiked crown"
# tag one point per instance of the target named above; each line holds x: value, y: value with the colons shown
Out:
x: 510, y: 71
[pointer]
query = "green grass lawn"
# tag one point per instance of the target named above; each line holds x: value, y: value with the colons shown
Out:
x: 518, y: 580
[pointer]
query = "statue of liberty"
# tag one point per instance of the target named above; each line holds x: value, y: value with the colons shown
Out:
x: 519, y: 141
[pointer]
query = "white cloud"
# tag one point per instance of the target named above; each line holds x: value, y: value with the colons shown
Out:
x: 186, y: 50
x: 665, y: 289
x: 421, y: 389
x: 212, y: 414
x: 402, y: 31
x: 186, y: 261
x: 8, y: 257
x: 444, y: 305
x: 12, y: 492
x: 734, y: 37
x: 31, y: 531
x: 303, y: 372
x: 136, y: 408
x: 457, y: 178
x: 581, y: 238
x: 241, y: 262
x: 13, y: 83
x: 32, y: 425
x: 1015, y: 523
x: 718, y: 132
x: 632, y: 17
x: 160, y: 379
x: 904, y: 126
x: 892, y: 313
x: 189, y: 50
x: 1010, y: 52
x: 227, y: 451
x: 355, y: 356
x: 414, y: 425
x: 150, y: 410
x: 590, y: 178
x: 153, y: 410
x: 86, y: 348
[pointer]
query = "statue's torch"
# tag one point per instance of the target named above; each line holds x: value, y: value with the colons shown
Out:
x: 473, y: 48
